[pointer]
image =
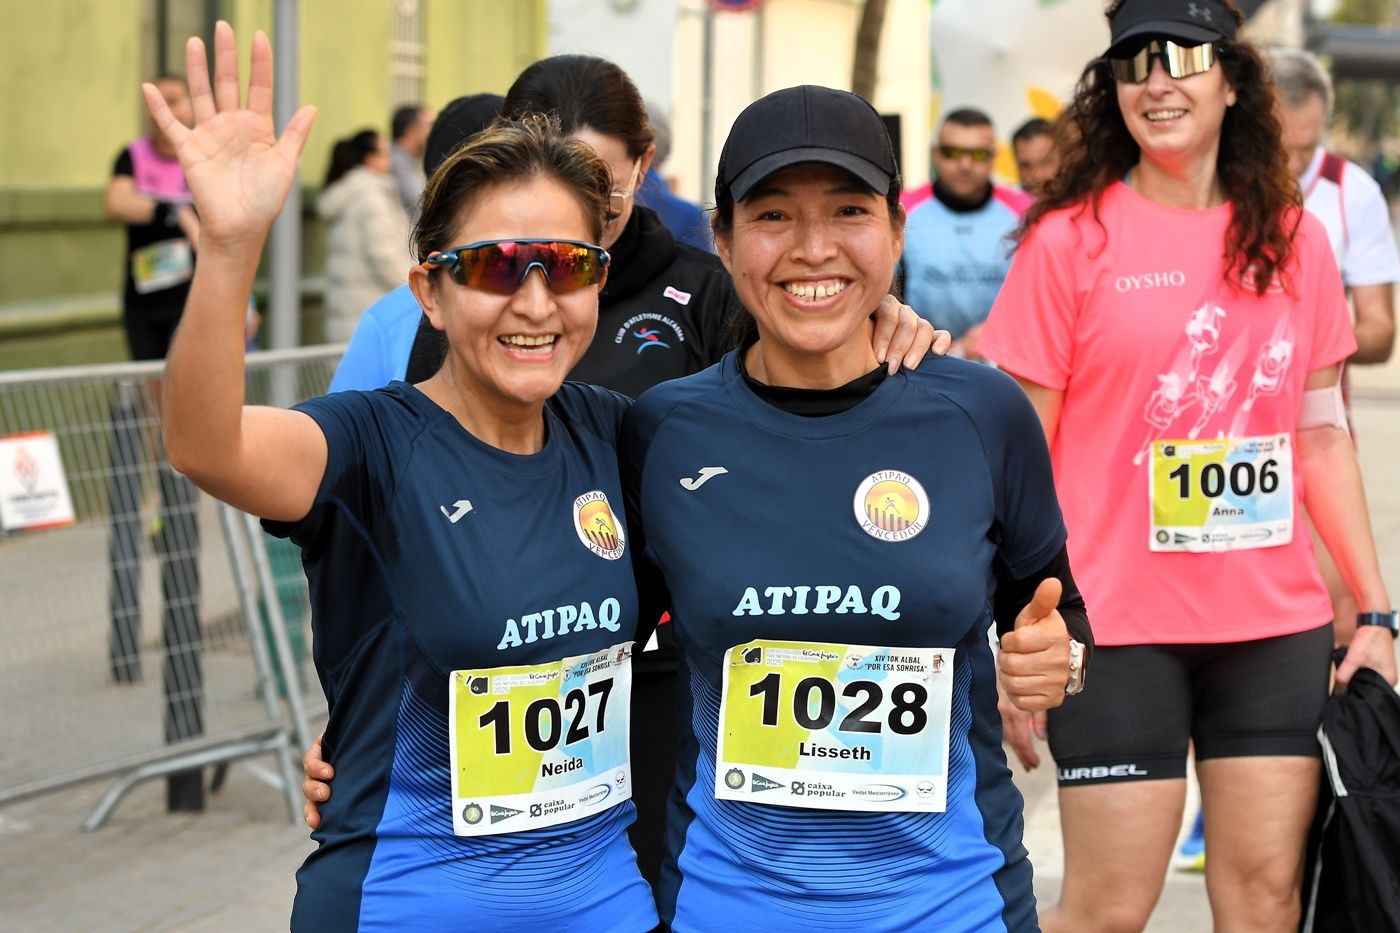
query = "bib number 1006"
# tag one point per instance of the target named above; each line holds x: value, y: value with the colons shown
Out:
x: 907, y: 716
x: 1241, y: 477
x: 544, y: 718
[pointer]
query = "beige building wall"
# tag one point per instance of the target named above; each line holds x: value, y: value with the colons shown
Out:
x: 71, y: 72
x: 66, y: 109
x: 784, y: 43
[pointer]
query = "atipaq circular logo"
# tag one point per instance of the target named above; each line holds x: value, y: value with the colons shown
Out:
x: 891, y: 505
x: 597, y: 526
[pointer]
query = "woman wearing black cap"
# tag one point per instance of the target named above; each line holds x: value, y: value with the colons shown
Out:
x: 1179, y: 324
x: 836, y: 543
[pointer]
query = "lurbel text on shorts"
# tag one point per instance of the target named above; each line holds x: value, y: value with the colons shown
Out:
x: 819, y: 600
x: 1101, y: 771
x: 857, y: 753
x: 563, y: 767
x: 547, y: 623
x: 1132, y: 283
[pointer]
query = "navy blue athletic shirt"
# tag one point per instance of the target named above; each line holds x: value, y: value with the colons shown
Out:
x: 429, y: 551
x: 749, y: 511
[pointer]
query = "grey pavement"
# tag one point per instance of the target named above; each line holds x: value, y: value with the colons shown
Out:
x: 232, y: 867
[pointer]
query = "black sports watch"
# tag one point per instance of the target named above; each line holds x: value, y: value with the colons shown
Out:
x: 1390, y: 620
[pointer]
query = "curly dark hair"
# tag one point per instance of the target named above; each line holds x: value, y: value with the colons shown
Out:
x: 1096, y: 150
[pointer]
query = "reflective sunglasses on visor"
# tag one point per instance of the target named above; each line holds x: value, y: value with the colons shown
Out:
x: 501, y: 266
x: 1180, y: 61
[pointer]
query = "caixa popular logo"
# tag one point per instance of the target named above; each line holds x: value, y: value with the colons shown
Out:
x: 597, y: 526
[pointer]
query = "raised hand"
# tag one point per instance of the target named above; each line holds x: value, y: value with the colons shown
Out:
x: 238, y: 170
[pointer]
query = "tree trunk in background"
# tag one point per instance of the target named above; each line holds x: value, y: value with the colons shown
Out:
x: 865, y: 72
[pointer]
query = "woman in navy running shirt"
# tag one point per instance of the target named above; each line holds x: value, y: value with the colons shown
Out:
x: 836, y: 543
x: 473, y: 600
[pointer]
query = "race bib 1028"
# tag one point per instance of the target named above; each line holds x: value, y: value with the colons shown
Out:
x: 835, y: 727
x: 541, y: 744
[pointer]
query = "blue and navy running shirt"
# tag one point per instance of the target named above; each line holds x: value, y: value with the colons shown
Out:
x: 429, y: 551
x: 748, y: 511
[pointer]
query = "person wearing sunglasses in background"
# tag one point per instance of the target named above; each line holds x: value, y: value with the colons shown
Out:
x: 956, y: 251
x: 1179, y: 322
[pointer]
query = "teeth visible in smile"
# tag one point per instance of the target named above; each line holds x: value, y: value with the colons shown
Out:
x: 815, y: 290
x: 524, y: 340
x: 1165, y: 115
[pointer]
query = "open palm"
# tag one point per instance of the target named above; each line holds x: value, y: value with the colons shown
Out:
x: 238, y: 170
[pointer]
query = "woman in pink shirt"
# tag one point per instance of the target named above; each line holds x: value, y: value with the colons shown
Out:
x: 1179, y: 324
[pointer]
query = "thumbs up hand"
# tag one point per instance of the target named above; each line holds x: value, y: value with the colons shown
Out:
x: 1033, y: 665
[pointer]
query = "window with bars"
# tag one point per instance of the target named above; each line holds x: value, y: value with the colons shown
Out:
x: 406, y: 53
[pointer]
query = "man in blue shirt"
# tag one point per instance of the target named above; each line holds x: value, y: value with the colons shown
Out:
x: 956, y: 251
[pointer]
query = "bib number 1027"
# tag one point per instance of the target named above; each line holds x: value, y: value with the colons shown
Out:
x: 545, y: 718
x: 1242, y: 478
x: 814, y: 705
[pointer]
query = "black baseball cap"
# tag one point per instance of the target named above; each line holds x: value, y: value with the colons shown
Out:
x: 1193, y: 20
x: 805, y: 124
x: 458, y: 121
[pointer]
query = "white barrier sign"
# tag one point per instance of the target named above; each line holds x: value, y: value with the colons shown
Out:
x: 33, y: 488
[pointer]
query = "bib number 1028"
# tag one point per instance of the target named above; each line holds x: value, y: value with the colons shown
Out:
x: 544, y: 718
x: 1241, y: 477
x: 908, y: 714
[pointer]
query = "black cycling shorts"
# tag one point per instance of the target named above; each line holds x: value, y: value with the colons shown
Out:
x: 1143, y: 703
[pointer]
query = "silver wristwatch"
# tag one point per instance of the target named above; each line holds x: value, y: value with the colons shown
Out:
x: 1076, y: 668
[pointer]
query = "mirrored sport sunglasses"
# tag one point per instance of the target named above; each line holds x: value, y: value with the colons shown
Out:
x: 501, y: 266
x: 1180, y: 61
x: 956, y: 153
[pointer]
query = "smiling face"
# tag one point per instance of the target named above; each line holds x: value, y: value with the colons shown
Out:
x: 812, y: 251
x: 1176, y: 121
x: 509, y: 353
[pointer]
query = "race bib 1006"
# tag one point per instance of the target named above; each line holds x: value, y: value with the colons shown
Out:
x: 1224, y: 494
x: 541, y: 744
x: 836, y: 727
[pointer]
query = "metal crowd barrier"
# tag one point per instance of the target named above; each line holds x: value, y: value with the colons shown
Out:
x: 161, y: 631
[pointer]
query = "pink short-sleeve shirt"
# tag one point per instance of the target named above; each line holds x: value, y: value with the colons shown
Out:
x: 1157, y: 354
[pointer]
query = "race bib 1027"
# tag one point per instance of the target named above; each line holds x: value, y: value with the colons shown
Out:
x: 541, y: 744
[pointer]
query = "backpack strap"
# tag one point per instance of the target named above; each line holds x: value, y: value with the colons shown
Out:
x: 1332, y: 169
